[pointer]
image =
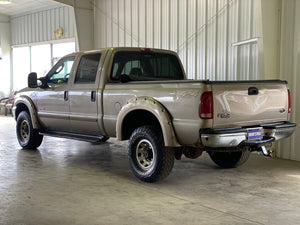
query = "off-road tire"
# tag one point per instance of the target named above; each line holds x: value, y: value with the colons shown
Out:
x: 149, y: 160
x: 229, y: 159
x: 28, y: 137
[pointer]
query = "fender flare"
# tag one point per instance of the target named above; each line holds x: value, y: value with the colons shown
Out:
x: 158, y: 110
x: 31, y: 108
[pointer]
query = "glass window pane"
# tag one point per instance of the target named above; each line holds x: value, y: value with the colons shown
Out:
x: 87, y: 69
x: 62, y: 49
x: 60, y: 73
x: 4, y: 76
x: 146, y: 66
x: 40, y: 59
x: 21, y: 67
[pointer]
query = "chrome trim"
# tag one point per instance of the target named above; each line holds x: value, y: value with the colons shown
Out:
x: 280, y: 133
x: 234, y: 139
x: 223, y: 140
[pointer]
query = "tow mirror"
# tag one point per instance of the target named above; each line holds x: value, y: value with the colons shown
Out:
x: 32, y: 80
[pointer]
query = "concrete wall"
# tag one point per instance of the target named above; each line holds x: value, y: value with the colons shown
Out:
x: 5, y: 81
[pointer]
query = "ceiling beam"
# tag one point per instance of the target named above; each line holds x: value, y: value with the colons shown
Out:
x: 67, y: 2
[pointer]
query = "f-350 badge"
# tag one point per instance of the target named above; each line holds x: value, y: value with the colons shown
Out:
x: 224, y: 115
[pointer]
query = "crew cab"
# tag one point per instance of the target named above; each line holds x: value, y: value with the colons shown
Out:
x: 143, y: 95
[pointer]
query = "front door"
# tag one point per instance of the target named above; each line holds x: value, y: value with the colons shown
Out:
x: 53, y: 100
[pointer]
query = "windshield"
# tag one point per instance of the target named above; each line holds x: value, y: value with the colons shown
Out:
x: 145, y: 66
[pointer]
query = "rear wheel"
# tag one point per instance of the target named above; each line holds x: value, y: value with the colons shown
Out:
x: 149, y: 160
x: 28, y: 137
x: 229, y: 159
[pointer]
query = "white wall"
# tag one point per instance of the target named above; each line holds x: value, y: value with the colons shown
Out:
x: 5, y: 82
x: 269, y: 29
x: 290, y: 70
x: 40, y: 26
x: 207, y: 34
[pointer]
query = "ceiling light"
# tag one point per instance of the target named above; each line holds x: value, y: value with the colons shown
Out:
x: 5, y: 1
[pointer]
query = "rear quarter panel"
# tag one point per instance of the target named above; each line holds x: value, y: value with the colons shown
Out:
x: 180, y: 99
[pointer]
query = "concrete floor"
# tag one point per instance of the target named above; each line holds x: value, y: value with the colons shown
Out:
x: 71, y: 182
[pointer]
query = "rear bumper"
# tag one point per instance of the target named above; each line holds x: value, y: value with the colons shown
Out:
x: 233, y: 137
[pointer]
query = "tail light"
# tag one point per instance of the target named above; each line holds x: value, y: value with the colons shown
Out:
x: 206, y: 108
x: 289, y: 104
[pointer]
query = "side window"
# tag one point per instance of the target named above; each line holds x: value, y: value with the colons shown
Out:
x: 87, y: 68
x: 60, y: 73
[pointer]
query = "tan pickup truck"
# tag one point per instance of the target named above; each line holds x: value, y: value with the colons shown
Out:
x: 143, y: 95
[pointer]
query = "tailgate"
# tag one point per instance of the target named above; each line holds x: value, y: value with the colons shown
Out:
x: 247, y: 103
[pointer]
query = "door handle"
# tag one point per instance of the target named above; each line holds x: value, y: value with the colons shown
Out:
x: 66, y: 95
x: 93, y: 96
x: 253, y: 91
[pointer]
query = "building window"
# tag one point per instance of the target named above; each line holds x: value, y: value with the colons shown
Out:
x: 41, y: 59
x: 62, y: 49
x: 37, y: 58
x: 21, y: 67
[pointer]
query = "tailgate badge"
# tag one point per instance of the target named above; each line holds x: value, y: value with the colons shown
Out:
x: 224, y: 115
x: 282, y: 110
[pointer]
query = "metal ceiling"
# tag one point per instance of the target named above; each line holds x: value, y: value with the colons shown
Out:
x: 18, y: 7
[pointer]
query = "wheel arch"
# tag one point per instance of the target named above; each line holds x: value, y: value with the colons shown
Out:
x: 145, y: 111
x: 24, y: 103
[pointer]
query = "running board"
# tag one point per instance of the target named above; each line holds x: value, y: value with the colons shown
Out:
x: 75, y: 136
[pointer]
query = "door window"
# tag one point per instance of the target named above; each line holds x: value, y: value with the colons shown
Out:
x: 60, y: 73
x: 87, y: 69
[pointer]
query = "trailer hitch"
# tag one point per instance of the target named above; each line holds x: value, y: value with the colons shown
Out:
x: 265, y: 151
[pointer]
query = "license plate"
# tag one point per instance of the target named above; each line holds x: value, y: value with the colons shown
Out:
x: 254, y: 134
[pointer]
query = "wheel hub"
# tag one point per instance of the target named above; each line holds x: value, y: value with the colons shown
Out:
x: 24, y: 130
x: 145, y: 155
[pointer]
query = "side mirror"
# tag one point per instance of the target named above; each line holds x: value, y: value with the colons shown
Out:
x: 32, y: 80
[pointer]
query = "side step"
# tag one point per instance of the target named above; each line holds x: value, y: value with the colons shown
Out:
x: 75, y: 136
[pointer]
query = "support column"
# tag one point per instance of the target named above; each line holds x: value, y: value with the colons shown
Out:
x: 268, y: 34
x: 84, y: 19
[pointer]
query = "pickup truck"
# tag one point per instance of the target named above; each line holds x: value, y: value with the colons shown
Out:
x: 143, y: 95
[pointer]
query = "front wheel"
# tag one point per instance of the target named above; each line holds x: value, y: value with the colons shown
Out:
x: 149, y: 160
x: 28, y: 137
x: 229, y: 159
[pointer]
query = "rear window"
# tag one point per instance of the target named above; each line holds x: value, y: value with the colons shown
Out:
x: 145, y: 66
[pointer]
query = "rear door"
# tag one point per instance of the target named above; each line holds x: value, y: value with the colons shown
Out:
x: 238, y: 104
x: 85, y: 100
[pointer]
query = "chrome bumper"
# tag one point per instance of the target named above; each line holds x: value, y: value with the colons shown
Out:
x: 233, y: 137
